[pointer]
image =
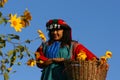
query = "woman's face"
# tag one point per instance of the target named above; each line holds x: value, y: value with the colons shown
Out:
x: 57, y: 34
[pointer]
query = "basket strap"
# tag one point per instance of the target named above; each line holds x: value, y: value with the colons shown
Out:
x: 74, y: 45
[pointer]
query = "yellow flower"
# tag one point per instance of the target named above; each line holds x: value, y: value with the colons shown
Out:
x: 2, y: 3
x: 108, y: 54
x: 16, y: 22
x: 26, y: 18
x: 41, y: 35
x: 27, y: 15
x: 81, y: 56
x: 103, y: 59
x: 94, y: 59
x: 41, y: 61
x: 31, y: 62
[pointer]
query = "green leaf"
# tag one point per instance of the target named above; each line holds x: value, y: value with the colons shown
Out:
x: 1, y: 54
x: 6, y: 61
x: 10, y: 53
x: 2, y: 68
x: 2, y: 36
x: 0, y: 14
x: 6, y: 76
x: 1, y: 21
x: 28, y: 41
x: 5, y: 20
x: 19, y: 63
x: 21, y: 48
x: 13, y: 36
x: 2, y: 43
x: 21, y: 55
x: 3, y: 61
x: 13, y: 59
x: 9, y: 39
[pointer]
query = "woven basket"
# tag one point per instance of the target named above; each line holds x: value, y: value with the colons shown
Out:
x: 85, y: 70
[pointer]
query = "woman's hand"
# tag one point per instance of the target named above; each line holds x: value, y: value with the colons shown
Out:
x: 49, y: 61
x: 45, y: 63
x: 58, y: 59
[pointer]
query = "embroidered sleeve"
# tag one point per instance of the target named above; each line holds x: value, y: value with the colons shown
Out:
x: 40, y: 55
x: 82, y: 50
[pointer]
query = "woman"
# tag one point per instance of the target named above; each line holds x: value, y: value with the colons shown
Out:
x: 60, y: 46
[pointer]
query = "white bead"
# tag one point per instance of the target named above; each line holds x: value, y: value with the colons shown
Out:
x: 55, y: 25
x: 58, y: 26
x: 51, y: 26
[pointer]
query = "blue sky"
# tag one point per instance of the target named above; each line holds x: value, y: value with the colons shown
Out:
x: 94, y: 23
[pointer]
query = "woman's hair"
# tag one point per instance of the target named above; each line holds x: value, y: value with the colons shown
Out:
x: 67, y: 37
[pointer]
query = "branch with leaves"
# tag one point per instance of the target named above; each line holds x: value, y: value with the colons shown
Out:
x: 19, y: 51
x: 14, y: 56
